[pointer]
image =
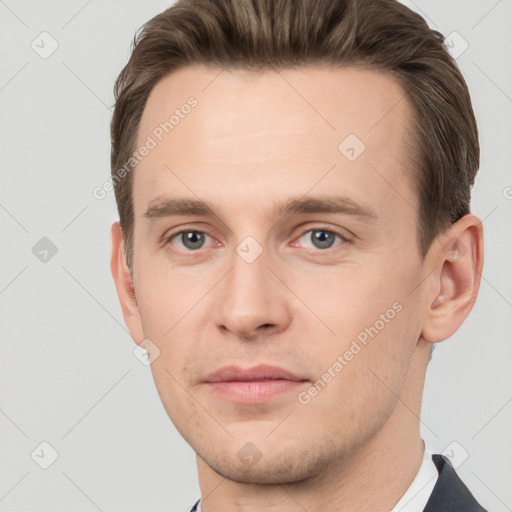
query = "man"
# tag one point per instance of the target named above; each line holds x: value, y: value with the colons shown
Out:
x: 293, y: 183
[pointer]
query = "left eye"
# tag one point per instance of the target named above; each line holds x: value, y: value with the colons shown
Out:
x: 321, y: 238
x: 191, y: 240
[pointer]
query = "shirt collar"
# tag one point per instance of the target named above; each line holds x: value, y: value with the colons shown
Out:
x: 418, y: 493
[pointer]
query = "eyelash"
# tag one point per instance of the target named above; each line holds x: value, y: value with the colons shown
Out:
x: 335, y: 232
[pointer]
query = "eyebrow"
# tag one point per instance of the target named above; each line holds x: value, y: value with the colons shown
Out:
x: 168, y: 207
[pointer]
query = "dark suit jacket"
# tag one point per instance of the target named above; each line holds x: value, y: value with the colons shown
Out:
x: 450, y: 494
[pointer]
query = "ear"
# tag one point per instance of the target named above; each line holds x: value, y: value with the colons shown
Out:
x: 458, y: 259
x: 124, y: 285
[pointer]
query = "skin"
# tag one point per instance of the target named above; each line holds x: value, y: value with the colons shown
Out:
x: 253, y: 141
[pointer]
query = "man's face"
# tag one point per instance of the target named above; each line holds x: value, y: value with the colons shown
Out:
x: 250, y: 284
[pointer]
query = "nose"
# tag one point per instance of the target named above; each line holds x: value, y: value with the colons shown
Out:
x: 253, y: 299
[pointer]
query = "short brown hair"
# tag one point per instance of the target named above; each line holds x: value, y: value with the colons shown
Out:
x: 383, y: 35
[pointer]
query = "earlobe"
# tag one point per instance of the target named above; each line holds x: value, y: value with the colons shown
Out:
x: 124, y: 285
x: 458, y: 257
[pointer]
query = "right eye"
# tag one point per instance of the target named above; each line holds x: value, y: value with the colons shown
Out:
x: 190, y: 240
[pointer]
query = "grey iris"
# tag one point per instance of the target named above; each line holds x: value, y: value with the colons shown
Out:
x: 322, y: 239
x: 192, y: 239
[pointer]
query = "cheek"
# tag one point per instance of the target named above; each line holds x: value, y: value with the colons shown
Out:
x: 375, y: 324
x: 162, y: 298
x: 353, y: 300
x: 176, y: 399
x: 369, y: 375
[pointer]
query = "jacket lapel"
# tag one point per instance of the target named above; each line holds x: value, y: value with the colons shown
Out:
x: 450, y: 494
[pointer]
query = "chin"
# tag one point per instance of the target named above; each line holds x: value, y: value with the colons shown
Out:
x: 275, y: 468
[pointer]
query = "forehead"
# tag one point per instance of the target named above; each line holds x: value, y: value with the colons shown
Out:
x: 265, y: 127
x: 308, y: 97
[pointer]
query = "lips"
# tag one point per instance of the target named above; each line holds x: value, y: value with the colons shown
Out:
x: 261, y: 372
x: 250, y: 386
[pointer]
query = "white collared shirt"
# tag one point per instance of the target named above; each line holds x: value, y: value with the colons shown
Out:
x: 418, y: 493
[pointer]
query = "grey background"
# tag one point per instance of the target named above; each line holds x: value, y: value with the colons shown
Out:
x: 67, y: 369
